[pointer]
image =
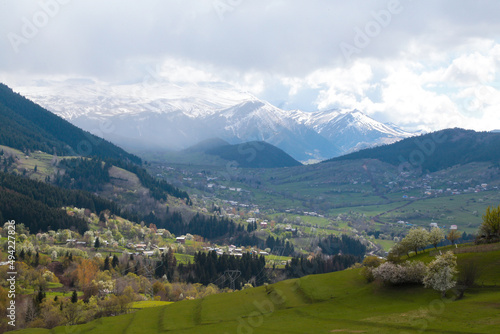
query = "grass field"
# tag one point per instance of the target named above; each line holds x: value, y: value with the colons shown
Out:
x: 385, y: 244
x: 42, y: 161
x: 184, y: 258
x: 340, y: 302
x: 148, y: 304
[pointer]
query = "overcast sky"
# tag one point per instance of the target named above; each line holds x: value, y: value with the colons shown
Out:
x: 420, y: 64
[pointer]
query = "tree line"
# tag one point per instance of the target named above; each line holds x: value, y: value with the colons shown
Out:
x: 320, y: 264
x: 332, y: 245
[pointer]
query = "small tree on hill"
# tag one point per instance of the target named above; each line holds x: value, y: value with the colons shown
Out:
x: 490, y: 228
x: 453, y: 236
x: 441, y: 272
x: 436, y: 235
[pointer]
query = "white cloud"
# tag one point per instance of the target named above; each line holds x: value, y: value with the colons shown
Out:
x: 470, y: 69
x: 341, y: 87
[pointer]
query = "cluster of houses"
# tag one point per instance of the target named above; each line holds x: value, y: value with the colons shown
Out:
x: 262, y: 224
x: 233, y: 250
x: 431, y: 225
x: 79, y: 242
x: 305, y: 213
x: 453, y: 187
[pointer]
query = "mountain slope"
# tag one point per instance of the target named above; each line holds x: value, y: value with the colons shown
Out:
x: 26, y: 125
x: 435, y: 151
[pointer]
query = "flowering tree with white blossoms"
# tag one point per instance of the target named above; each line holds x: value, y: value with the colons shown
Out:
x: 441, y: 273
x: 436, y: 235
x: 417, y: 238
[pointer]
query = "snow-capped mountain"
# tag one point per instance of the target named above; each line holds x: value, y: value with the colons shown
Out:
x: 170, y: 116
x: 351, y: 130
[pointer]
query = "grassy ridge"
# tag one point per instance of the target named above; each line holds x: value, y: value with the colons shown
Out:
x: 335, y: 302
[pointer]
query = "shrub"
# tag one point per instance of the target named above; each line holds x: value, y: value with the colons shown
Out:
x: 369, y: 263
x: 407, y: 273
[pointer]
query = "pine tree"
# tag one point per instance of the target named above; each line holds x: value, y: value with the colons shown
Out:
x: 37, y: 259
x: 106, y: 263
x: 40, y: 296
x: 115, y: 261
x: 74, y: 297
x: 97, y: 243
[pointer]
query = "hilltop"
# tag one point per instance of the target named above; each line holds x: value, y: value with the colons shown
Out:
x: 256, y: 154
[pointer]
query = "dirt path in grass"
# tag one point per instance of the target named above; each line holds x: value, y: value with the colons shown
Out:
x: 377, y: 217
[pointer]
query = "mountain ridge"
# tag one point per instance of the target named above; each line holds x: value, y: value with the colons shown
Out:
x: 435, y: 151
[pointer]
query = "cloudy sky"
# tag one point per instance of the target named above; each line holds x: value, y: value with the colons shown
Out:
x: 425, y: 64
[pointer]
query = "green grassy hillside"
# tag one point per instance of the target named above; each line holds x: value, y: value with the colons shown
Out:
x: 338, y: 302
